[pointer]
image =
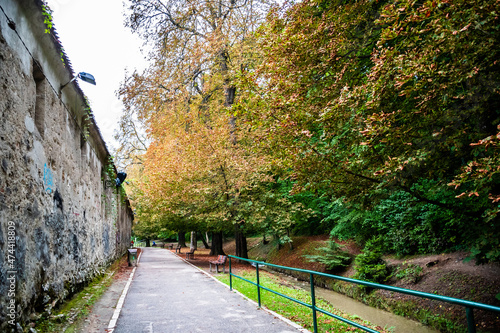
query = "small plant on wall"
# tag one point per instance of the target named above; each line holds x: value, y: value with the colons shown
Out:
x: 47, y: 18
x: 87, y: 118
x: 110, y: 168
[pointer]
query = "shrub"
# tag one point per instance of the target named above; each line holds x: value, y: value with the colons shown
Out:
x: 408, y: 225
x: 332, y: 256
x: 371, y: 267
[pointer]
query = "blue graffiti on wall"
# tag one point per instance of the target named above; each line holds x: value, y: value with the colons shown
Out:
x: 48, y: 179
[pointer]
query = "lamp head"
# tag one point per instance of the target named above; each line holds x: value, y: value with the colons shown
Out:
x: 89, y: 78
x: 120, y: 177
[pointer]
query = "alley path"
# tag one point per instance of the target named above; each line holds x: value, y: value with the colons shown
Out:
x: 169, y: 295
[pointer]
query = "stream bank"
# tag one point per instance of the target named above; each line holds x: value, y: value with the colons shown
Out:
x: 390, y: 321
x: 445, y: 274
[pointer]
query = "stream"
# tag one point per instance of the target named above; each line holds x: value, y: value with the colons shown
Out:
x: 390, y: 321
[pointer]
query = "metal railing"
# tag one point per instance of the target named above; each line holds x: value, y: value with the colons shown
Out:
x: 469, y: 305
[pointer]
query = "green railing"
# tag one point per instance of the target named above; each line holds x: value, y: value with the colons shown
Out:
x: 468, y: 305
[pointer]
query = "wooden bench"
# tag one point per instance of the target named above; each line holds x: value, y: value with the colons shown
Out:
x: 178, y: 248
x: 190, y: 254
x: 221, y: 260
x: 169, y: 245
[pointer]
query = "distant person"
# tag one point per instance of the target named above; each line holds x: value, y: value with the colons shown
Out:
x: 154, y: 244
x: 132, y: 244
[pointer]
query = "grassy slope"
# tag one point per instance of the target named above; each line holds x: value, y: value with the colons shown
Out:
x: 291, y: 310
x: 444, y: 274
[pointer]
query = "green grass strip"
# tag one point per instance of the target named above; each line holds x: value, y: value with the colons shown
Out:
x: 67, y: 317
x: 297, y: 313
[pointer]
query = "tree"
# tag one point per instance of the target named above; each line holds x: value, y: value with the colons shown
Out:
x: 480, y: 178
x: 132, y: 141
x: 184, y: 99
x: 366, y: 98
x: 311, y: 53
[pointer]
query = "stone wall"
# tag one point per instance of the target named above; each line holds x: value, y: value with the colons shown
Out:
x: 61, y: 223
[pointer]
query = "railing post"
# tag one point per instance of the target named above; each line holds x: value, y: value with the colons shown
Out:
x: 258, y: 282
x: 230, y: 276
x: 470, y: 320
x: 313, y: 303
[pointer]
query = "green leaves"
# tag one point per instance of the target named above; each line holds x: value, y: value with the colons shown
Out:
x: 332, y: 256
x: 392, y: 105
x: 371, y: 267
x: 353, y: 98
x: 47, y: 18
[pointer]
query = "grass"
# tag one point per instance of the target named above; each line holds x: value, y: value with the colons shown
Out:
x: 295, y: 312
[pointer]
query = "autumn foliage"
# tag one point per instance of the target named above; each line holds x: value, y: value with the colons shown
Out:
x: 359, y: 101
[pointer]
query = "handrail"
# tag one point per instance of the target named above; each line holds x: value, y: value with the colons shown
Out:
x: 469, y: 305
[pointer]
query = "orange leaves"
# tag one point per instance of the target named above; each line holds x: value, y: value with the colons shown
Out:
x: 494, y: 198
x: 481, y: 171
x: 469, y: 194
x: 193, y: 161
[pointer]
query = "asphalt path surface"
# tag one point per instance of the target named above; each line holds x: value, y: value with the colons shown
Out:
x: 169, y: 295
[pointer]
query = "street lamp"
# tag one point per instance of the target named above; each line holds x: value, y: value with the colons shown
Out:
x: 89, y: 78
x: 120, y: 178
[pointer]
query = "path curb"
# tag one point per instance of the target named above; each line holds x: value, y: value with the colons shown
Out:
x: 119, y: 305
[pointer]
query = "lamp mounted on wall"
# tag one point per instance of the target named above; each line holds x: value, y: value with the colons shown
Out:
x: 89, y: 78
x: 120, y: 178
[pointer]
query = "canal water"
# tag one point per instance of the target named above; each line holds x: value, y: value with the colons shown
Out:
x: 390, y: 321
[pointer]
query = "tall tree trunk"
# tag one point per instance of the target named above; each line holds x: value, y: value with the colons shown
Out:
x: 181, y: 236
x: 216, y: 244
x: 230, y: 93
x: 204, y: 239
x: 148, y: 243
x: 241, y: 241
x: 194, y: 241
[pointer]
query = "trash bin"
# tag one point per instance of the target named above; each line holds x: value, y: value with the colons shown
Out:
x: 132, y: 257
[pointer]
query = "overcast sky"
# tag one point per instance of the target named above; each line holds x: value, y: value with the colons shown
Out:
x: 96, y: 41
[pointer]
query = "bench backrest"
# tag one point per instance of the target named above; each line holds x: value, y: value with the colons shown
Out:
x: 222, y: 259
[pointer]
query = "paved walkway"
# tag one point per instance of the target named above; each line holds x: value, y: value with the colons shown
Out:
x: 169, y: 295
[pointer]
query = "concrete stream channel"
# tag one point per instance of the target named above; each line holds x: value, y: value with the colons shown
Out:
x: 389, y: 321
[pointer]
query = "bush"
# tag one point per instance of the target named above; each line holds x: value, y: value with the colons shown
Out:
x: 371, y: 267
x: 408, y: 225
x: 414, y: 227
x: 332, y: 256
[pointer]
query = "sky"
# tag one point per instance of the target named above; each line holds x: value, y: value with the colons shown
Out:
x: 96, y: 41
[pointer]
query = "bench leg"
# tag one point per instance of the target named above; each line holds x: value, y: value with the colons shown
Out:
x: 210, y: 267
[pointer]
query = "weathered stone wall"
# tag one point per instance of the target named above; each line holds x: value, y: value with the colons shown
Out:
x: 68, y: 223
